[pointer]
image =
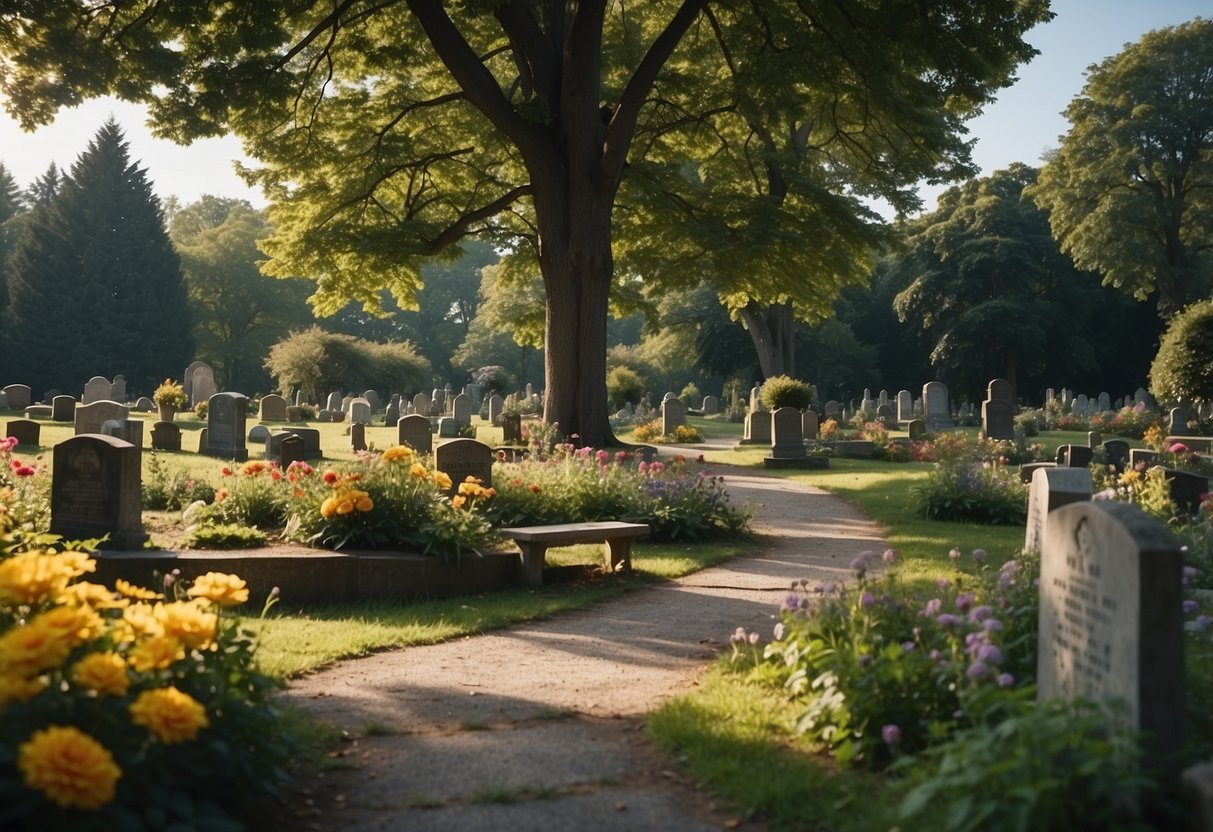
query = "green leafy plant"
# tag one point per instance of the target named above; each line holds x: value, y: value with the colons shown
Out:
x: 162, y: 489
x: 1183, y: 367
x: 785, y: 391
x: 974, y: 490
x: 223, y: 536
x: 624, y: 385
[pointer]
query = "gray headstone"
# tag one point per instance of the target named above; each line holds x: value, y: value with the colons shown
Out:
x: 187, y: 378
x: 1051, y: 489
x: 833, y: 409
x: 90, y: 417
x: 290, y: 448
x: 1094, y: 438
x: 226, y: 420
x: 3, y: 400
x: 808, y: 424
x: 448, y: 428
x: 711, y: 405
x: 757, y: 430
x: 257, y: 434
x: 358, y: 436
x: 905, y: 406
x: 359, y: 410
x: 421, y: 404
x: 885, y: 415
x: 938, y: 414
x: 1186, y: 489
x: 203, y: 387
x: 1000, y: 389
x: 294, y: 413
x: 1111, y: 621
x: 998, y: 418
x: 309, y: 444
x: 461, y: 409
x: 144, y: 405
x: 917, y: 430
x: 373, y: 399
x: 414, y: 430
x: 118, y: 389
x: 128, y: 430
x: 17, y: 396
x: 787, y: 439
x: 96, y: 389
x: 1117, y: 453
x: 1142, y: 457
x: 463, y: 458
x: 63, y: 409
x: 273, y: 408
x: 27, y: 432
x: 391, y: 414
x: 511, y: 429
x: 333, y: 402
x: 166, y: 436
x: 1178, y: 421
x: 1075, y: 456
x: 495, y: 405
x: 1104, y: 402
x: 95, y: 491
x: 673, y: 414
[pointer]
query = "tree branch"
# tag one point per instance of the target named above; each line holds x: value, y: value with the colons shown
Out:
x: 460, y: 228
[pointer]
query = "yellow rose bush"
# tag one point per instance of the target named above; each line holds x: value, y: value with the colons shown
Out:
x: 123, y: 708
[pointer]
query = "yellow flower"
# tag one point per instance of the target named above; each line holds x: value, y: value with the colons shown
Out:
x: 329, y: 507
x: 418, y: 470
x: 97, y: 596
x: 1130, y: 477
x: 188, y: 622
x: 171, y: 716
x: 33, y: 577
x: 103, y: 672
x: 458, y: 500
x: 142, y: 620
x: 75, y: 625
x: 69, y: 767
x: 155, y: 653
x: 77, y: 562
x: 346, y: 506
x: 442, y: 479
x: 220, y: 588
x: 364, y: 504
x: 401, y: 452
x: 136, y: 592
x: 29, y: 650
x: 14, y: 688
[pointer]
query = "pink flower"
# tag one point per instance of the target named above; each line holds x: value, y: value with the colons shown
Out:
x: 602, y: 456
x: 1178, y: 448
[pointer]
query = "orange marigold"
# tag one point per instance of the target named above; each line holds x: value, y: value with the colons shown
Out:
x: 68, y: 766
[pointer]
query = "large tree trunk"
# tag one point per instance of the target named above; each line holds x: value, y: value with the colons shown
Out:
x: 773, y: 331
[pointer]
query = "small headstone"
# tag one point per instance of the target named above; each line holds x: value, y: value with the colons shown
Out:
x: 294, y: 413
x: 96, y: 389
x: 373, y: 399
x: 63, y: 409
x: 1142, y: 457
x: 359, y: 411
x: 757, y: 429
x: 461, y: 409
x: 787, y: 439
x: 144, y: 405
x: 1094, y: 438
x: 673, y: 415
x: 414, y: 430
x: 17, y: 396
x: 711, y: 405
x: 391, y: 414
x: 333, y: 402
x: 438, y: 400
x: 95, y: 491
x: 917, y: 430
x: 938, y: 410
x: 337, y: 416
x: 1178, y: 422
x: 118, y: 389
x: 273, y: 408
x: 833, y: 410
x: 203, y: 387
x: 187, y: 378
x: 358, y: 436
x: 128, y: 430
x: 1074, y: 456
x: 1117, y: 453
x: 1051, y: 489
x: 202, y: 441
x: 90, y: 417
x: 511, y: 429
x: 885, y: 415
x: 226, y: 419
x: 1187, y: 489
x: 324, y: 416
x: 1111, y: 620
x: 1140, y: 396
x: 463, y: 458
x: 495, y: 405
x: 905, y: 406
x: 291, y: 448
x: 808, y: 424
x: 421, y: 404
x: 257, y: 434
x: 49, y: 395
x: 298, y: 398
x: 26, y: 432
x: 448, y: 428
x: 166, y: 436
x: 1104, y: 402
x: 998, y: 410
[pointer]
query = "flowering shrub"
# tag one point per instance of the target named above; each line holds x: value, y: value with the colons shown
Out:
x: 580, y: 484
x: 126, y: 709
x: 253, y: 495
x: 1131, y: 421
x: 829, y: 430
x: 171, y: 490
x: 24, y: 490
x: 967, y: 489
x: 651, y: 432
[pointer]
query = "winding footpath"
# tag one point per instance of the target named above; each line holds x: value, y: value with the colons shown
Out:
x: 540, y: 726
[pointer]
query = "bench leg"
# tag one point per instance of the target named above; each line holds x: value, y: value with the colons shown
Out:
x: 619, y: 554
x: 531, y: 555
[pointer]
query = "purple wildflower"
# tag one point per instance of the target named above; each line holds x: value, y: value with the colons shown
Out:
x: 891, y: 734
x: 860, y: 564
x: 791, y: 603
x: 1005, y: 680
x: 932, y: 608
x: 866, y: 600
x: 1202, y: 623
x: 981, y: 613
x: 907, y: 646
x: 943, y: 584
x: 1190, y: 606
x: 964, y: 601
x: 1190, y: 572
x: 989, y: 653
x: 992, y: 625
x: 979, y: 555
x: 977, y: 670
x: 889, y: 556
x: 948, y: 621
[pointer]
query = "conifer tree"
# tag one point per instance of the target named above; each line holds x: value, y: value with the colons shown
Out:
x: 95, y: 285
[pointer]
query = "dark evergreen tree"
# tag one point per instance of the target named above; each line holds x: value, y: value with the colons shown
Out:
x: 10, y: 207
x: 43, y: 190
x: 95, y: 286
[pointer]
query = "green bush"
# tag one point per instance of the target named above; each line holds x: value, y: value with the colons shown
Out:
x: 165, y: 490
x: 314, y: 359
x: 1183, y: 368
x: 785, y: 391
x: 624, y: 385
x: 974, y: 490
x: 224, y: 536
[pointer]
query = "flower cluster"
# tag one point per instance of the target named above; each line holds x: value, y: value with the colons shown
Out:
x: 24, y: 489
x: 108, y: 695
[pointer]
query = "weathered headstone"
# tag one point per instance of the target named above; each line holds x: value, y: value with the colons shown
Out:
x: 1186, y: 489
x: 905, y: 406
x: 391, y: 414
x: 757, y: 430
x: 885, y: 415
x: 95, y: 491
x: 26, y: 432
x: 273, y: 408
x: 461, y: 409
x: 938, y: 414
x: 495, y: 405
x: 1117, y: 453
x: 414, y: 430
x: 1141, y: 457
x: 448, y: 427
x: 63, y: 409
x: 203, y: 387
x: 373, y: 399
x: 358, y: 436
x: 290, y: 448
x: 96, y: 389
x: 226, y: 419
x: 711, y: 405
x: 17, y: 396
x: 1051, y: 489
x: 1178, y: 420
x: 917, y: 430
x: 438, y: 400
x: 673, y: 415
x: 295, y: 413
x: 118, y: 389
x: 463, y: 458
x: 1104, y: 402
x: 142, y: 405
x: 787, y: 439
x: 257, y: 434
x: 808, y: 424
x: 90, y: 417
x: 128, y: 430
x: 187, y: 378
x: 421, y: 404
x: 511, y: 429
x: 1075, y: 456
x: 359, y: 410
x: 833, y: 410
x: 1111, y: 621
x: 1094, y: 438
x: 166, y: 436
x: 333, y: 401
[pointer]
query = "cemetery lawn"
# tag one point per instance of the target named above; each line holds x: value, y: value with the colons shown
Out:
x: 294, y: 641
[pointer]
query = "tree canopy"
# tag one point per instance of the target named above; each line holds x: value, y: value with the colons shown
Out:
x: 1130, y: 190
x: 389, y: 132
x: 1183, y: 368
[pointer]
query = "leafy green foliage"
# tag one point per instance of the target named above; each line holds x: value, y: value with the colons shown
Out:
x: 1183, y: 368
x: 785, y: 391
x: 224, y: 536
x: 972, y: 491
x: 1128, y: 192
x: 624, y: 385
x: 315, y: 361
x: 162, y: 488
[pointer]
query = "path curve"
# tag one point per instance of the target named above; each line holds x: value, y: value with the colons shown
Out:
x: 539, y: 726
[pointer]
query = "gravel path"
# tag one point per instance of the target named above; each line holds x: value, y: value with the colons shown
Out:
x: 539, y: 726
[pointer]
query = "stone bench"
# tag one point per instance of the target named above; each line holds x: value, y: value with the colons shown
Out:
x: 534, y: 541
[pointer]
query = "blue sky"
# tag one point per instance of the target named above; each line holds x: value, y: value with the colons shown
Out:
x: 1024, y: 122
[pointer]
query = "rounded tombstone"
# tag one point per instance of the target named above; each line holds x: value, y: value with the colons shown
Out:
x: 258, y: 433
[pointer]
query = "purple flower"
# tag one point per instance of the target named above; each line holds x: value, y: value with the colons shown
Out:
x: 989, y: 653
x: 1202, y: 623
x: 954, y: 554
x: 1190, y: 572
x: 932, y: 608
x: 979, y: 555
x: 791, y: 603
x: 948, y: 621
x: 907, y: 646
x: 981, y: 613
x: 889, y: 556
x: 1190, y: 606
x: 943, y: 584
x: 934, y: 655
x: 992, y: 625
x: 977, y: 670
x: 891, y: 734
x: 866, y: 600
x: 860, y: 564
x: 1005, y: 680
x: 964, y: 601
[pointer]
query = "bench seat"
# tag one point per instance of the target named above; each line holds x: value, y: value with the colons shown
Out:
x: 534, y: 541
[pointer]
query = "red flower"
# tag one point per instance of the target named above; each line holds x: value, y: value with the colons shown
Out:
x: 330, y: 477
x: 227, y: 472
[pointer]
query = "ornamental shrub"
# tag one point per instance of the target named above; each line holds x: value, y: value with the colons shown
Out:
x: 624, y: 385
x: 25, y: 490
x: 785, y: 391
x: 1183, y: 367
